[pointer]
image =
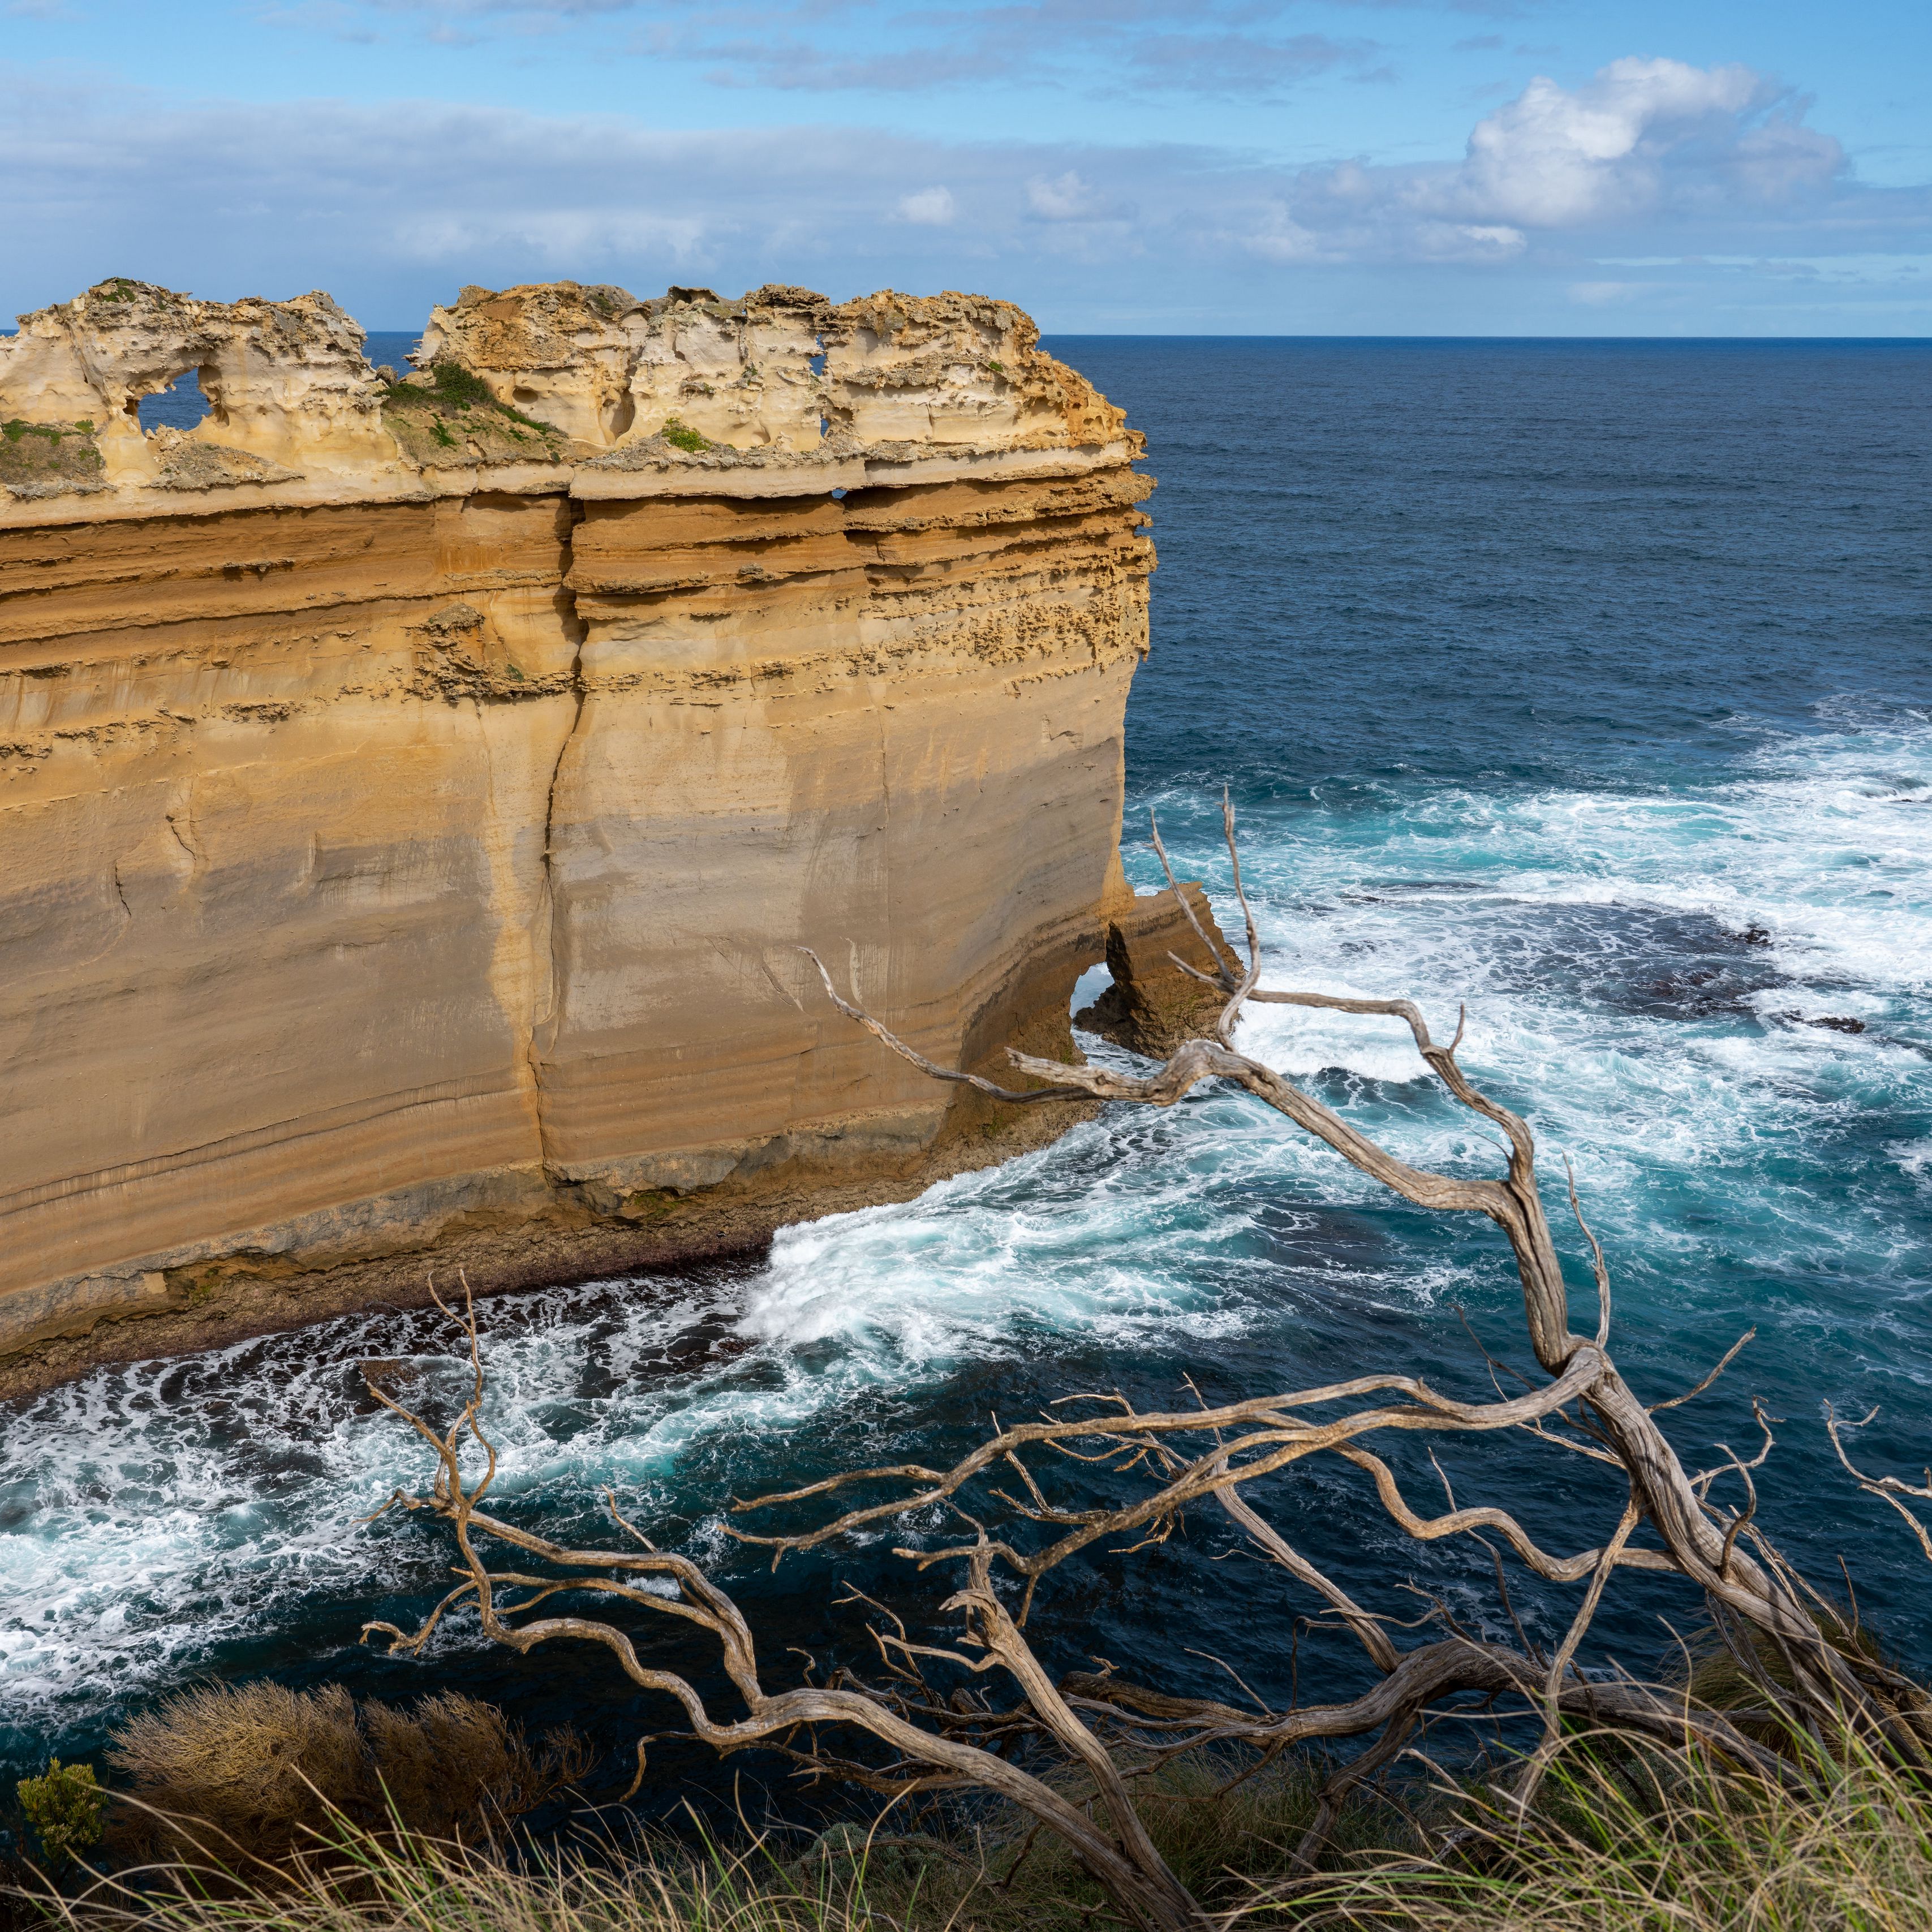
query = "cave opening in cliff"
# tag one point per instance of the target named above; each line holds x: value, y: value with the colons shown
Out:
x: 181, y: 405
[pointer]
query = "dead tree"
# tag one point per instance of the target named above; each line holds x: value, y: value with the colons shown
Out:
x: 1110, y: 1729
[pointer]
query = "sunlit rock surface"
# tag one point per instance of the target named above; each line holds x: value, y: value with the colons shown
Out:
x: 286, y: 382
x: 413, y: 792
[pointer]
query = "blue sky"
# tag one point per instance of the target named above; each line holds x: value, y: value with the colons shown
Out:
x: 1381, y: 166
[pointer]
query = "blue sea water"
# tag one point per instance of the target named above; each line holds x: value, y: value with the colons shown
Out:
x: 1588, y: 685
x: 181, y: 404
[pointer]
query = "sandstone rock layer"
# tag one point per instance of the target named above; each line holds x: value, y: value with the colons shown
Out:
x: 413, y: 796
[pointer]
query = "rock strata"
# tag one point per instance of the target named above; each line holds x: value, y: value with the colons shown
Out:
x: 414, y: 790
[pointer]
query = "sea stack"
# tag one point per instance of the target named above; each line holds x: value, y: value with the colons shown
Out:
x: 415, y: 789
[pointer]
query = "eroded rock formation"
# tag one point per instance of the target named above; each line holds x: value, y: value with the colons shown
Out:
x: 413, y: 790
x: 1150, y: 1005
x: 286, y: 382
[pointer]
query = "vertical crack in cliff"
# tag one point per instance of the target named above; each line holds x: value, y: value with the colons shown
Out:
x: 544, y: 1022
x: 879, y: 708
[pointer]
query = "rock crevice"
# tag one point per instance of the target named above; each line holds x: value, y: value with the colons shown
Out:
x: 543, y: 1016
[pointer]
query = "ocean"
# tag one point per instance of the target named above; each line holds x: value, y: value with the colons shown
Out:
x: 1587, y: 685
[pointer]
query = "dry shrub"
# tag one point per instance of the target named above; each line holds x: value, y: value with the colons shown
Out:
x: 453, y: 1762
x: 268, y: 1771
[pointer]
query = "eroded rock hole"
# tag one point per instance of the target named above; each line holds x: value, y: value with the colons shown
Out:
x: 180, y: 405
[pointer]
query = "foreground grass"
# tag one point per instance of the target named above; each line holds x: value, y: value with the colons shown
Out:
x: 1619, y: 1842
x: 1222, y: 1832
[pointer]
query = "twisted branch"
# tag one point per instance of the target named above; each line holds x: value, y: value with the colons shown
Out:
x: 1695, y: 1542
x: 1887, y: 1489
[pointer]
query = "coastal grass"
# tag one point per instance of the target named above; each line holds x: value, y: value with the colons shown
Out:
x: 1622, y: 1838
x: 1636, y: 1841
x: 1224, y: 1834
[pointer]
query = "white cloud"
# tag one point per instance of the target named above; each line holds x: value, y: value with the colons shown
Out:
x: 561, y: 236
x: 1066, y: 198
x: 1620, y: 145
x: 1604, y: 294
x: 1469, y: 241
x: 1214, y: 48
x: 1643, y: 141
x: 391, y: 207
x: 930, y: 208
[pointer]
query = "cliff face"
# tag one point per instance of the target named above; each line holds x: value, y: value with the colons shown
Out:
x: 412, y: 794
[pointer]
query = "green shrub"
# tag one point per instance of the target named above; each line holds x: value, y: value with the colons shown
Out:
x: 462, y: 389
x: 459, y: 387
x: 64, y: 1805
x: 451, y: 386
x: 675, y: 433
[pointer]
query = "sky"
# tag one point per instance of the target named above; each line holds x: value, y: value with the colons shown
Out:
x: 1405, y: 167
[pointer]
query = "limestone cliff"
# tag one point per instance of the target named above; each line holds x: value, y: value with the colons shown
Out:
x: 413, y: 789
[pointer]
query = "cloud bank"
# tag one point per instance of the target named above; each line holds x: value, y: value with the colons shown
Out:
x: 390, y: 206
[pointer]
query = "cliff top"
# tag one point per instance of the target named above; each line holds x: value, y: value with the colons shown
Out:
x: 545, y: 387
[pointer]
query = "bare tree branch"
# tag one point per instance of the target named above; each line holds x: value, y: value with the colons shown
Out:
x: 1887, y: 1489
x: 1123, y: 1859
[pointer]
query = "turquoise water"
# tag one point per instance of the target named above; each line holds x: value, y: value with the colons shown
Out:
x: 1588, y: 685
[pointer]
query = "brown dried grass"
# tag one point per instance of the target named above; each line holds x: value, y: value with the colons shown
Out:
x: 259, y: 1772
